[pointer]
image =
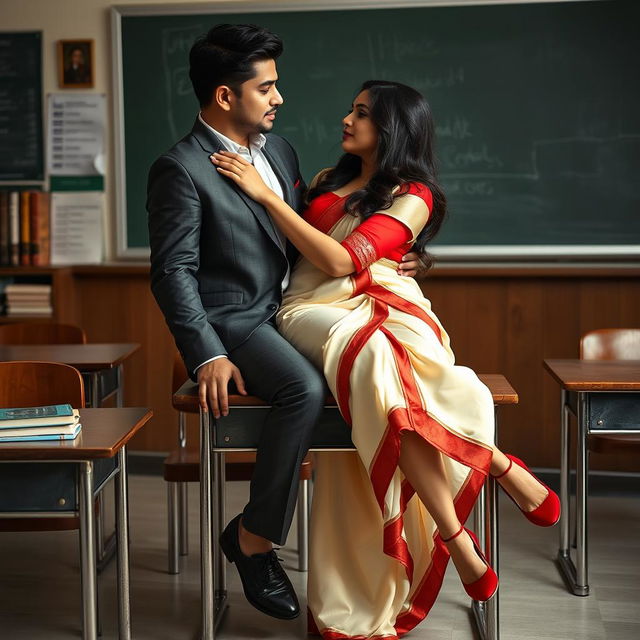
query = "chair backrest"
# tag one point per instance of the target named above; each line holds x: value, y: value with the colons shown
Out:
x: 41, y: 333
x: 611, y: 344
x: 32, y: 384
x: 180, y: 374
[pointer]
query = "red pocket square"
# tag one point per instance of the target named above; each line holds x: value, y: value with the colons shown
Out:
x: 296, y: 184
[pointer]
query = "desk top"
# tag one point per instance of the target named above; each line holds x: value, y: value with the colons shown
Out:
x: 186, y: 397
x: 86, y: 357
x: 104, y: 432
x: 595, y: 375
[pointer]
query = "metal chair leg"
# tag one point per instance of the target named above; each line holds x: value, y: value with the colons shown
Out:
x: 303, y: 526
x: 173, y: 528
x: 487, y: 614
x: 206, y: 562
x: 87, y: 552
x: 183, y: 518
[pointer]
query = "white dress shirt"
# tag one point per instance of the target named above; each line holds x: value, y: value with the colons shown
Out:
x: 256, y: 157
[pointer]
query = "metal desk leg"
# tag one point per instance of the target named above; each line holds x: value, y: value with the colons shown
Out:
x: 182, y: 513
x: 487, y: 614
x: 575, y: 575
x: 172, y: 527
x: 219, y: 523
x: 120, y: 386
x: 122, y: 533
x: 303, y: 526
x: 582, y: 470
x: 206, y: 568
x: 87, y: 552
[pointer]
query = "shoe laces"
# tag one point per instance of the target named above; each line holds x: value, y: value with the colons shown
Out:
x: 273, y: 568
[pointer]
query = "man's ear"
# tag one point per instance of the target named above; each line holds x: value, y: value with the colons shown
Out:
x: 223, y: 96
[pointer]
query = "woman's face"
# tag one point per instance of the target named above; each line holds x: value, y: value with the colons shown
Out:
x: 360, y: 136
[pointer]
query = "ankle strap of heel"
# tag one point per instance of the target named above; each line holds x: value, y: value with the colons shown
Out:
x: 504, y: 473
x: 455, y: 535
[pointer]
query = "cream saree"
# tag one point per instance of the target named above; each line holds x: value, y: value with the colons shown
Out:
x: 376, y: 561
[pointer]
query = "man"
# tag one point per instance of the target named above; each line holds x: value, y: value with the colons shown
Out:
x: 218, y: 269
x: 76, y: 72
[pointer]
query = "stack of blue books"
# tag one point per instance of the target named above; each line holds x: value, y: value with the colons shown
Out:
x: 54, y: 422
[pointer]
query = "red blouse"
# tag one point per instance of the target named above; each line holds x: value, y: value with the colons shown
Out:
x: 379, y: 236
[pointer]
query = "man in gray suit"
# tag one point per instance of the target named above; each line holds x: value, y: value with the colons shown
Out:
x: 218, y: 268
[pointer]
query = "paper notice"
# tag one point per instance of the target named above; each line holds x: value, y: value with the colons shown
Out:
x: 76, y: 134
x: 76, y: 227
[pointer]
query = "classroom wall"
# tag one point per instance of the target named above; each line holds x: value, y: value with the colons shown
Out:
x: 77, y: 19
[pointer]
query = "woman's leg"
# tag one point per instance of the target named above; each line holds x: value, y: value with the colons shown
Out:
x: 527, y: 492
x: 423, y: 467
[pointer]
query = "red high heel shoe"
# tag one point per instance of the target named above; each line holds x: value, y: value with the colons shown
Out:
x: 547, y: 513
x: 485, y: 587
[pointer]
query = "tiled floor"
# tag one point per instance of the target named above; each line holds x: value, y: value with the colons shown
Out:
x: 40, y: 582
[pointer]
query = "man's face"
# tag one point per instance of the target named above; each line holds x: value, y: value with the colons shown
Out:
x: 255, y: 110
x: 77, y: 58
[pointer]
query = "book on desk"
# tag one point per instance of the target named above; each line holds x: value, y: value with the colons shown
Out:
x: 53, y: 422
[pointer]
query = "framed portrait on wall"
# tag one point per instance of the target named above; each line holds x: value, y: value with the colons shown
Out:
x: 75, y: 64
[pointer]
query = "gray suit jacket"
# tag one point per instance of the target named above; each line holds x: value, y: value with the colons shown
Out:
x: 216, y: 261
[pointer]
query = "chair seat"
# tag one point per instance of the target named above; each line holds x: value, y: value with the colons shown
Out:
x: 183, y: 465
x: 620, y: 443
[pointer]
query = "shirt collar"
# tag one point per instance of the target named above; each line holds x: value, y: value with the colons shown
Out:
x: 256, y: 142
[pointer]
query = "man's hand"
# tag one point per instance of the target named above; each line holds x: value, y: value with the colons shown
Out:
x: 213, y: 382
x: 410, y: 265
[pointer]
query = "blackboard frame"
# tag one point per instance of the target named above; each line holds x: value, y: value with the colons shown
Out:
x: 506, y: 254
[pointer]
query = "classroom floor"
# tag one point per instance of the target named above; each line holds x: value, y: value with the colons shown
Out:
x: 40, y: 581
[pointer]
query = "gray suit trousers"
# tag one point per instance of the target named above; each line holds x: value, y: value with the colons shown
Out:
x: 275, y: 372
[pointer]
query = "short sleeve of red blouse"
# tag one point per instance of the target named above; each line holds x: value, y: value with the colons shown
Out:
x: 383, y: 233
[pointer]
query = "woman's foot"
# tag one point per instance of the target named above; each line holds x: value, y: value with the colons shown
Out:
x: 536, y: 500
x: 478, y: 578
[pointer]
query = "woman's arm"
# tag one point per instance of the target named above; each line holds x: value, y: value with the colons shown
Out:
x: 322, y: 250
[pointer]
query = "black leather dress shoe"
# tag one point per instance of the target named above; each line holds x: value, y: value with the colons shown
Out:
x: 266, y: 585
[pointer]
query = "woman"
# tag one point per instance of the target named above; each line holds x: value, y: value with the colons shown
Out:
x: 387, y: 518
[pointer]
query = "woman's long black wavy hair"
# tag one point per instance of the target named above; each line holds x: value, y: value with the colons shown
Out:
x: 405, y: 154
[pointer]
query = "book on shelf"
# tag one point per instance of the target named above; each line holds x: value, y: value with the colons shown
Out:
x: 25, y: 228
x: 4, y: 227
x: 14, y: 228
x: 32, y: 437
x: 28, y: 299
x: 42, y: 416
x: 25, y: 236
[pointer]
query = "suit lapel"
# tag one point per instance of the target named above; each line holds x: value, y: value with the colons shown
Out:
x: 210, y: 144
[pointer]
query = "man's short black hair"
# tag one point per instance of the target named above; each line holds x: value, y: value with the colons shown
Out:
x: 226, y: 55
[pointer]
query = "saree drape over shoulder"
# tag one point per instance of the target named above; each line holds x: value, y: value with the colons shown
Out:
x: 376, y: 560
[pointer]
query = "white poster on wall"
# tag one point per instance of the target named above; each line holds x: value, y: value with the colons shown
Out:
x: 76, y: 227
x: 76, y: 126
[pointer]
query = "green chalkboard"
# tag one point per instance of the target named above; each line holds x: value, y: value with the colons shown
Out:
x: 537, y: 107
x: 21, y: 146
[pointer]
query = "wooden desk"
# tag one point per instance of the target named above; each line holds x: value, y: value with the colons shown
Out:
x: 105, y: 434
x: 603, y: 395
x: 331, y: 434
x: 93, y: 359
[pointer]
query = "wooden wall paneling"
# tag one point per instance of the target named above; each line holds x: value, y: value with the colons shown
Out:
x: 560, y: 336
x: 120, y: 308
x: 506, y: 322
x: 522, y: 342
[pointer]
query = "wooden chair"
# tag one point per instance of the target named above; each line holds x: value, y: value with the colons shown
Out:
x: 41, y: 333
x: 612, y: 344
x: 28, y: 384
x: 53, y: 333
x: 183, y: 466
x: 46, y: 493
x: 38, y: 332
